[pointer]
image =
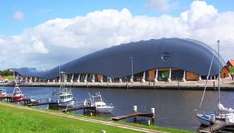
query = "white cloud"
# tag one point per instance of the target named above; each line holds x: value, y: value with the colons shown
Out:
x: 159, y: 5
x: 61, y: 40
x: 18, y: 16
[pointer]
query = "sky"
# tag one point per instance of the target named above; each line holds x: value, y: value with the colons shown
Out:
x: 46, y: 33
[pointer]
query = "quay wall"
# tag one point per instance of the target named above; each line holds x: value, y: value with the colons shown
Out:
x: 189, y: 85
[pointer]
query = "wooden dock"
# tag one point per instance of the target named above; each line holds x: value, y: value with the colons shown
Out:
x: 87, y: 110
x: 133, y: 115
x: 41, y: 104
x: 219, y: 126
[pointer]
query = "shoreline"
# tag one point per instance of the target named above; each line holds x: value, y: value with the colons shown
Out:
x: 191, y: 85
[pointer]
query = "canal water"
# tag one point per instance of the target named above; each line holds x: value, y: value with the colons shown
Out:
x: 174, y: 108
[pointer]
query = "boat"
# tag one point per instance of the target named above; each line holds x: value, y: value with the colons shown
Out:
x: 223, y: 113
x: 206, y: 118
x: 3, y: 92
x: 63, y: 97
x: 98, y: 102
x: 17, y: 94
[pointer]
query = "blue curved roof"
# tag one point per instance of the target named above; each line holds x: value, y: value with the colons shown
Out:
x: 189, y: 55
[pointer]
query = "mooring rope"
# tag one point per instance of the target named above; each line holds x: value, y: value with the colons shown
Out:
x: 207, y: 78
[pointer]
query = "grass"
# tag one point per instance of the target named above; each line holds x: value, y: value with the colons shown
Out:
x: 157, y: 128
x: 15, y: 120
x: 20, y: 120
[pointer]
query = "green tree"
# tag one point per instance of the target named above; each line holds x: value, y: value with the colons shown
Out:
x: 231, y: 70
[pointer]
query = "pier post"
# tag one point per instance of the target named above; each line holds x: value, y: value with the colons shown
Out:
x: 110, y: 79
x: 78, y: 78
x: 93, y: 78
x: 101, y: 79
x: 143, y: 78
x: 26, y: 79
x: 35, y: 79
x: 135, y: 110
x: 131, y: 79
x: 65, y: 78
x: 85, y: 79
x: 120, y: 80
x: 156, y: 76
x: 169, y: 77
x: 153, y: 112
x: 72, y: 78
x: 200, y: 78
x: 184, y: 76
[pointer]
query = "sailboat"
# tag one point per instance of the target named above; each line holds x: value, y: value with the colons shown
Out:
x: 223, y: 114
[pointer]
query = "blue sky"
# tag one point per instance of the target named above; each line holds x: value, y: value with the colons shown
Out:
x: 38, y: 11
x: 45, y: 33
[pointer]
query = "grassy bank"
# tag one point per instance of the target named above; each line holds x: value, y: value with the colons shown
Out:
x: 14, y: 119
x: 154, y: 127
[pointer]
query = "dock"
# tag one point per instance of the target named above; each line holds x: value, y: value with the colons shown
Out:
x: 136, y: 114
x: 87, y: 110
x: 219, y: 126
x: 133, y: 115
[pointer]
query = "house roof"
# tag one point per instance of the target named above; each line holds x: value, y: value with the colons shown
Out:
x: 231, y: 62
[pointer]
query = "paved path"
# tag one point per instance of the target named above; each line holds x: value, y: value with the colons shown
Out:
x: 109, y: 123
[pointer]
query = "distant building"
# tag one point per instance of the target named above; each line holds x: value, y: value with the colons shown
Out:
x: 167, y: 59
x: 229, y: 65
x: 1, y: 79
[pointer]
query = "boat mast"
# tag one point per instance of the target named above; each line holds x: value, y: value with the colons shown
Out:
x: 218, y: 43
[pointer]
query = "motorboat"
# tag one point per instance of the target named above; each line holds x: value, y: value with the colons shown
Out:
x: 3, y: 92
x: 17, y: 94
x: 63, y: 97
x: 98, y: 102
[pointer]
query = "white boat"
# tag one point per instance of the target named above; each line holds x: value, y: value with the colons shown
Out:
x: 206, y: 119
x: 63, y: 97
x: 97, y: 101
x: 224, y: 114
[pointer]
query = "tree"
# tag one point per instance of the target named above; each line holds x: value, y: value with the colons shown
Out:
x: 231, y: 70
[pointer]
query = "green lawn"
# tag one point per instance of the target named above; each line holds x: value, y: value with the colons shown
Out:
x: 157, y: 128
x: 15, y: 120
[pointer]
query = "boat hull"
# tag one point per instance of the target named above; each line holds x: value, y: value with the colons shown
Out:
x: 206, y: 119
x: 104, y: 109
x: 67, y: 103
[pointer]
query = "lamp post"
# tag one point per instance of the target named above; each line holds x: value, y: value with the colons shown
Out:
x: 131, y: 58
